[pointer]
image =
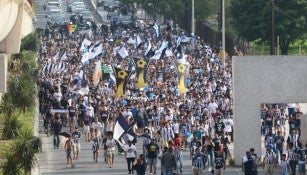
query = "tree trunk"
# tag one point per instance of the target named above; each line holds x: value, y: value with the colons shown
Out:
x: 284, y: 47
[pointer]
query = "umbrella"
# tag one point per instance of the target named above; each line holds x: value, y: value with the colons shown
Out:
x: 65, y: 134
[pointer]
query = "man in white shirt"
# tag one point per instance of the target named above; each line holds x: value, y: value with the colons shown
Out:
x: 130, y: 155
x: 97, y: 126
x: 212, y: 106
x: 228, y: 122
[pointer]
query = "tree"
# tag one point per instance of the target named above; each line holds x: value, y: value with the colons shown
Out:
x: 252, y: 20
x: 178, y: 10
x: 22, y: 156
x: 23, y: 92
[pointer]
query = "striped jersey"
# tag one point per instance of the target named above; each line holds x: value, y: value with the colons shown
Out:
x: 269, y: 157
x: 283, y: 164
x: 197, y: 160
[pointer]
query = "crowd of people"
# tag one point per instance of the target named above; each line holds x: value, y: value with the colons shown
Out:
x: 165, y: 120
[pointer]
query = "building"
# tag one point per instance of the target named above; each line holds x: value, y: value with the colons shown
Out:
x: 16, y: 22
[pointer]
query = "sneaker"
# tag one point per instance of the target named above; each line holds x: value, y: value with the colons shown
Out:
x: 73, y: 165
x: 209, y: 169
x: 154, y: 172
x: 67, y: 165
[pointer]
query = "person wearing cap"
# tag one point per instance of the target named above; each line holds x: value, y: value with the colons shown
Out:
x: 152, y: 155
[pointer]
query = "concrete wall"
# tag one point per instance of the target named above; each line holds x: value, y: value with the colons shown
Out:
x: 3, y: 72
x: 16, y: 22
x: 263, y: 79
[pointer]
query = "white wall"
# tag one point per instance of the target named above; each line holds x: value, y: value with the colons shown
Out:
x: 263, y: 79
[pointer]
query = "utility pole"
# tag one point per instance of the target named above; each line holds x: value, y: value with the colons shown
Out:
x: 273, y: 45
x: 223, y: 33
x: 193, y: 19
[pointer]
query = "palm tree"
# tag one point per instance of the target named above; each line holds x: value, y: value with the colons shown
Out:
x: 24, y: 152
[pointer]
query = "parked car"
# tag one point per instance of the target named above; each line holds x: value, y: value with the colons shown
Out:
x: 87, y: 15
x: 110, y: 4
x: 53, y: 10
x: 126, y: 21
x: 77, y: 6
x: 57, y: 3
x: 71, y: 3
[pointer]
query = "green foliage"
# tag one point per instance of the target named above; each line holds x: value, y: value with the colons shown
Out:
x: 22, y: 155
x: 252, y: 20
x: 10, y: 167
x: 11, y: 127
x: 178, y: 10
x: 30, y: 42
x: 23, y: 92
x: 6, y: 105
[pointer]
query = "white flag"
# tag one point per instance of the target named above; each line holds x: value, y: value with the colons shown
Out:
x: 123, y: 52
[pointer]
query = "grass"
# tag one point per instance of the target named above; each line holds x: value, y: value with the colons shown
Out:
x: 27, y: 120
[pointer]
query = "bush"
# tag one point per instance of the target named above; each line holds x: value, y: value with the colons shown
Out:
x: 11, y: 127
x: 30, y: 42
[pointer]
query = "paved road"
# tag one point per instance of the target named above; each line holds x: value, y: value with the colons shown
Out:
x: 53, y: 161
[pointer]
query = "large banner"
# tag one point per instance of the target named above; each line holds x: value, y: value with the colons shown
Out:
x: 141, y: 67
x: 122, y: 76
x: 182, y: 72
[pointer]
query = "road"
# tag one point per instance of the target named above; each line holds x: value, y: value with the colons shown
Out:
x: 52, y: 161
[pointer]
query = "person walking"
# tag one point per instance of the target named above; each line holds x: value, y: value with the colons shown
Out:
x: 301, y: 156
x: 197, y: 162
x: 76, y: 135
x: 111, y: 150
x: 152, y: 155
x: 168, y: 161
x: 219, y: 163
x: 140, y: 165
x: 256, y: 160
x: 69, y: 146
x: 95, y: 146
x: 269, y: 161
x: 130, y: 155
x: 292, y: 158
x: 248, y: 164
x: 57, y: 128
x: 284, y: 165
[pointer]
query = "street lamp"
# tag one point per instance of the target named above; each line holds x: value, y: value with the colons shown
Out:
x: 193, y: 19
x: 223, y: 33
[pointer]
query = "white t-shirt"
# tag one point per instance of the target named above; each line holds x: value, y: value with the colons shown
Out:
x: 228, y: 123
x: 97, y: 126
x: 212, y: 107
x: 131, y: 151
x: 176, y: 128
x: 111, y: 144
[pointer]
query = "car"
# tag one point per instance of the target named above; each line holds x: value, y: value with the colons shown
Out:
x: 126, y: 21
x: 57, y: 3
x: 53, y: 10
x: 113, y: 16
x: 111, y: 4
x: 99, y: 3
x: 70, y: 3
x: 77, y: 6
x: 56, y: 16
x: 87, y: 15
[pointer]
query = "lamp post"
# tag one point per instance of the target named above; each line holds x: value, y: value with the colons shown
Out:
x: 193, y: 19
x: 272, y: 27
x: 223, y: 33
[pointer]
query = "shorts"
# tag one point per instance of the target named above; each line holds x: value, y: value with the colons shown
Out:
x: 152, y: 161
x: 86, y: 129
x: 301, y: 167
x: 68, y: 153
x: 111, y: 152
x: 77, y: 147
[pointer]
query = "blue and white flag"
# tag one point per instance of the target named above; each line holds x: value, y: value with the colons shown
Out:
x: 122, y: 52
x: 123, y: 129
x: 157, y: 29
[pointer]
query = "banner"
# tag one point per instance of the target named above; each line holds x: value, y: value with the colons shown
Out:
x: 141, y: 66
x: 182, y: 72
x: 122, y: 77
x: 97, y: 73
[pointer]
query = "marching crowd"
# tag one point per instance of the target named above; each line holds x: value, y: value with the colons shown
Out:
x: 167, y: 122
